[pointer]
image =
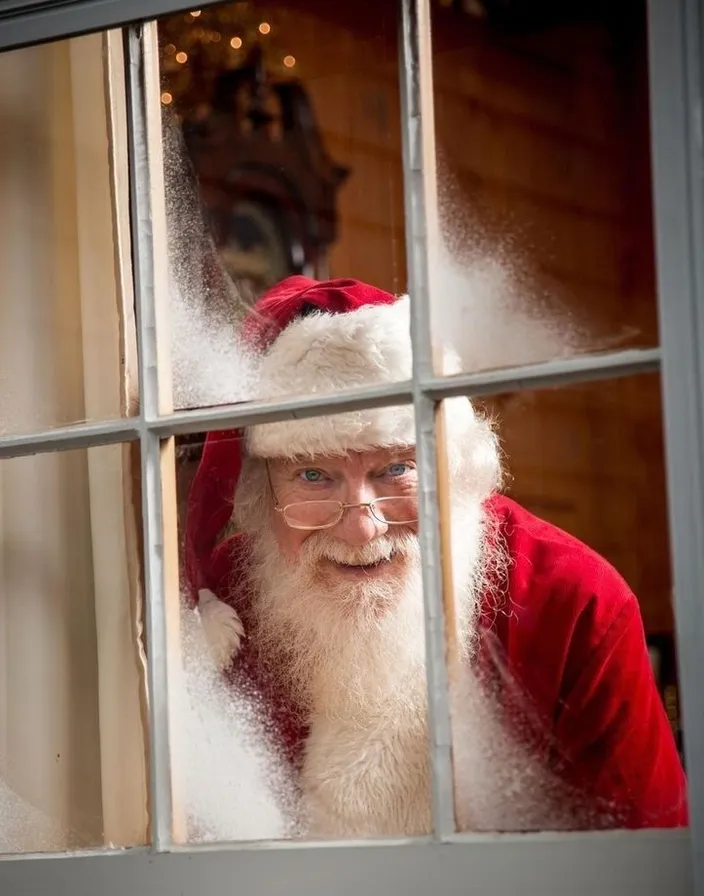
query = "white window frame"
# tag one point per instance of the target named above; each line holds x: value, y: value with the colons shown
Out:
x: 643, y: 862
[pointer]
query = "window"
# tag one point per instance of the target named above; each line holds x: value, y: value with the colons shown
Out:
x: 93, y: 441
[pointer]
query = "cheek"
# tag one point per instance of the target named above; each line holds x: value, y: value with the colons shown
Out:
x: 289, y: 540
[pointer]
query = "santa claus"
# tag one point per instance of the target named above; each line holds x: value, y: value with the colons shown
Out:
x: 314, y: 605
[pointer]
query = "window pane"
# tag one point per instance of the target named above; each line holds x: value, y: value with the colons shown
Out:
x: 317, y: 728
x: 542, y: 136
x: 566, y: 697
x: 66, y: 319
x: 299, y: 173
x: 72, y: 751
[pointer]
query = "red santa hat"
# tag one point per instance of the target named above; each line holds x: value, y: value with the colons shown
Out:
x: 309, y: 338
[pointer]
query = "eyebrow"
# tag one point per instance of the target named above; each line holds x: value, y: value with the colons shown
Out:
x: 335, y: 464
x: 405, y: 454
x: 293, y: 466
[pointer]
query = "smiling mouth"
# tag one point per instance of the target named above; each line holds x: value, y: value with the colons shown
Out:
x: 375, y: 565
x: 363, y: 567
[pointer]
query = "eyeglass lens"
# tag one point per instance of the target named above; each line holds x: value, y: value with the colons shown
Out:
x: 321, y: 514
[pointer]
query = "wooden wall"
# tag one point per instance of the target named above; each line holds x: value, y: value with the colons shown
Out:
x: 346, y: 55
x: 545, y: 137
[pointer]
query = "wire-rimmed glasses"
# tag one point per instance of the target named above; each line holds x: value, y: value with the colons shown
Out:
x: 394, y: 511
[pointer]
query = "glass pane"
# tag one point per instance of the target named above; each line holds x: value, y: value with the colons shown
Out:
x: 565, y: 704
x: 542, y: 133
x: 288, y: 114
x: 72, y: 748
x: 66, y: 319
x: 302, y: 649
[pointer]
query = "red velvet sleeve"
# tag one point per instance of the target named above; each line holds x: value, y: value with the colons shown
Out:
x: 613, y: 727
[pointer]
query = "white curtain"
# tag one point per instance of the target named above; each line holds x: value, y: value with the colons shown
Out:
x: 72, y: 744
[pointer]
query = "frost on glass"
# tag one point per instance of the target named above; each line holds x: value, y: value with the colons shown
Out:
x: 230, y: 776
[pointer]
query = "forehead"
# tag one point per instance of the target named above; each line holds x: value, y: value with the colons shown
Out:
x: 354, y: 460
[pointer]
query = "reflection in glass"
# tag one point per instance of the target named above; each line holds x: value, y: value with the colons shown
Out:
x: 72, y: 747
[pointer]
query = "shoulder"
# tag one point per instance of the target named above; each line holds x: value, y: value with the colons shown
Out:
x: 573, y: 638
x: 564, y: 603
x: 552, y: 573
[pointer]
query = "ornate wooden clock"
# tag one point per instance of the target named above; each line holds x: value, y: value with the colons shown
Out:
x: 268, y: 187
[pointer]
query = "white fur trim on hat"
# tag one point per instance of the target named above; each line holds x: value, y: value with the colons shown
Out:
x: 322, y: 354
x: 327, y: 353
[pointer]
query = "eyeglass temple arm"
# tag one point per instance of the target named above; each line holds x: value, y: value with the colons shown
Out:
x: 277, y: 504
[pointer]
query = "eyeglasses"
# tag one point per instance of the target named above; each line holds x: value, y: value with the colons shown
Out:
x: 394, y: 511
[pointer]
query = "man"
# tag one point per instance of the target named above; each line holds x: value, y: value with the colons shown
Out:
x: 315, y: 605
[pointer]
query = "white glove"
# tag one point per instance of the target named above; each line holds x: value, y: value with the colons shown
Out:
x: 222, y: 627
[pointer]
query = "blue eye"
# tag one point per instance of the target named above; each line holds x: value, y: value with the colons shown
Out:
x: 398, y: 469
x: 311, y: 475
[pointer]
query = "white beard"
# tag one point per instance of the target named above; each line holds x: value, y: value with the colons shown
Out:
x: 361, y: 676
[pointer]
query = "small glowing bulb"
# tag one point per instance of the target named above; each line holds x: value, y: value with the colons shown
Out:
x: 236, y: 43
x: 166, y: 98
x: 289, y: 61
x: 265, y: 28
x: 181, y: 57
x: 195, y: 13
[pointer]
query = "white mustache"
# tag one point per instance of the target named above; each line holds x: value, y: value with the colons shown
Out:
x: 380, y: 550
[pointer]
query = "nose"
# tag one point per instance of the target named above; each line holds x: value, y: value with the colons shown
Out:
x: 358, y: 526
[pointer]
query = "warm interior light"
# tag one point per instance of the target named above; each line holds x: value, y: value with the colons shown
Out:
x: 166, y: 98
x: 236, y: 43
x: 265, y: 28
x: 195, y: 13
x: 289, y: 61
x: 181, y: 57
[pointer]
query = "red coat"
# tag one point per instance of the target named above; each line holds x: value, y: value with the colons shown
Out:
x: 570, y: 636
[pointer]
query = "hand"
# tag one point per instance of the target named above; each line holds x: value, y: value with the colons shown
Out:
x: 222, y: 627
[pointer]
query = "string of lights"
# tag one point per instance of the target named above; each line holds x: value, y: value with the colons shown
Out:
x: 197, y: 46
